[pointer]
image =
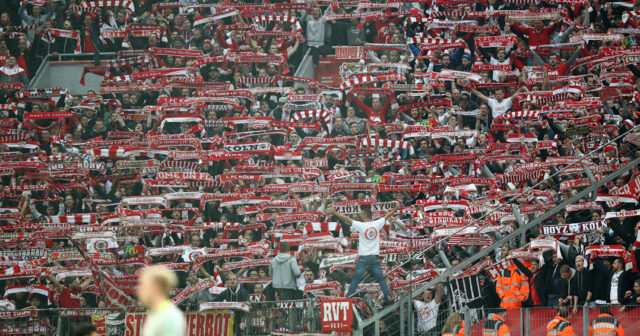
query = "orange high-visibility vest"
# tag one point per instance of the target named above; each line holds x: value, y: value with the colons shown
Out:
x: 560, y: 327
x: 605, y: 325
x: 495, y: 326
x: 512, y: 288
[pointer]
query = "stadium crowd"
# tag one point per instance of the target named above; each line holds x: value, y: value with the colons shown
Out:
x: 202, y: 151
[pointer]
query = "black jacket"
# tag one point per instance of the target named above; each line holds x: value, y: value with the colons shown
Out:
x: 581, y: 283
x: 625, y: 282
x: 240, y: 294
x: 537, y: 281
x: 552, y: 277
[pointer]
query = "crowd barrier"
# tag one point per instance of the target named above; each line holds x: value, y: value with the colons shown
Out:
x: 263, y: 318
x: 533, y: 321
x: 267, y: 318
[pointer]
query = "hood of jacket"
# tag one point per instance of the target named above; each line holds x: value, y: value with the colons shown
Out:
x: 282, y: 257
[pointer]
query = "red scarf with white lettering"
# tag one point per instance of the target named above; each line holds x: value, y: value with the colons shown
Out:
x: 67, y: 34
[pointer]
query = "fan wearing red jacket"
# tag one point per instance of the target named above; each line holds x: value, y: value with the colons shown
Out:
x: 377, y: 111
x: 538, y: 34
x: 555, y: 67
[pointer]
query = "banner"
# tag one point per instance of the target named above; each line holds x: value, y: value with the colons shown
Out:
x: 100, y: 323
x: 337, y: 315
x: 573, y: 228
x: 211, y: 323
x: 631, y: 188
x: 467, y: 293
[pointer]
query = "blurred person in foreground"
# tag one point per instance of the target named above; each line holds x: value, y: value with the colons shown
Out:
x: 454, y: 326
x: 86, y: 329
x: 164, y: 319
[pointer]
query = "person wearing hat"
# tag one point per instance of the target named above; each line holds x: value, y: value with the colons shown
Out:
x: 207, y: 47
x: 466, y: 62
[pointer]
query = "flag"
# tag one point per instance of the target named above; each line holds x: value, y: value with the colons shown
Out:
x: 112, y: 294
x: 467, y: 293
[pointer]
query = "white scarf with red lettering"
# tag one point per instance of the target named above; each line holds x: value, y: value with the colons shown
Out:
x: 212, y: 18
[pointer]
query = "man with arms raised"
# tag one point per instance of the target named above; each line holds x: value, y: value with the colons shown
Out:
x: 368, y: 247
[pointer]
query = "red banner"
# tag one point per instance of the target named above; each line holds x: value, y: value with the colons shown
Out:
x: 337, y: 315
x: 219, y: 323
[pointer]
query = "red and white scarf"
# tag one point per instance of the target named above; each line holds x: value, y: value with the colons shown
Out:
x: 199, y: 20
x: 67, y: 34
x: 110, y: 3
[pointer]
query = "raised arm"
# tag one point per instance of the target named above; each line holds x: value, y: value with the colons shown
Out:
x: 361, y: 105
x: 438, y: 295
x: 527, y: 272
x: 573, y: 57
x: 545, y: 79
x: 50, y: 11
x: 480, y: 95
x: 536, y: 58
x: 399, y: 223
x: 333, y: 211
x: 23, y: 13
x: 564, y: 36
x: 391, y: 212
x: 86, y: 283
x: 55, y: 282
x: 293, y: 49
x: 522, y: 89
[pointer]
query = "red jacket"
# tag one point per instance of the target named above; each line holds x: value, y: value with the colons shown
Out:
x: 536, y: 38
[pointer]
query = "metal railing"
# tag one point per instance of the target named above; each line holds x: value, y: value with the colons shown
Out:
x: 303, y: 316
x: 372, y: 323
x: 534, y: 321
x: 263, y: 318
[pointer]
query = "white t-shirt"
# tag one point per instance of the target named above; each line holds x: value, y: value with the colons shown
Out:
x: 368, y: 236
x: 613, y: 295
x: 499, y: 108
x: 494, y: 61
x: 427, y: 314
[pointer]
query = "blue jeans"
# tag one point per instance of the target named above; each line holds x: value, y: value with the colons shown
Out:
x: 372, y: 264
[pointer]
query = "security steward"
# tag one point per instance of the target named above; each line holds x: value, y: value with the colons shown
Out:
x: 496, y: 324
x: 605, y: 324
x: 560, y: 326
x: 512, y: 287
